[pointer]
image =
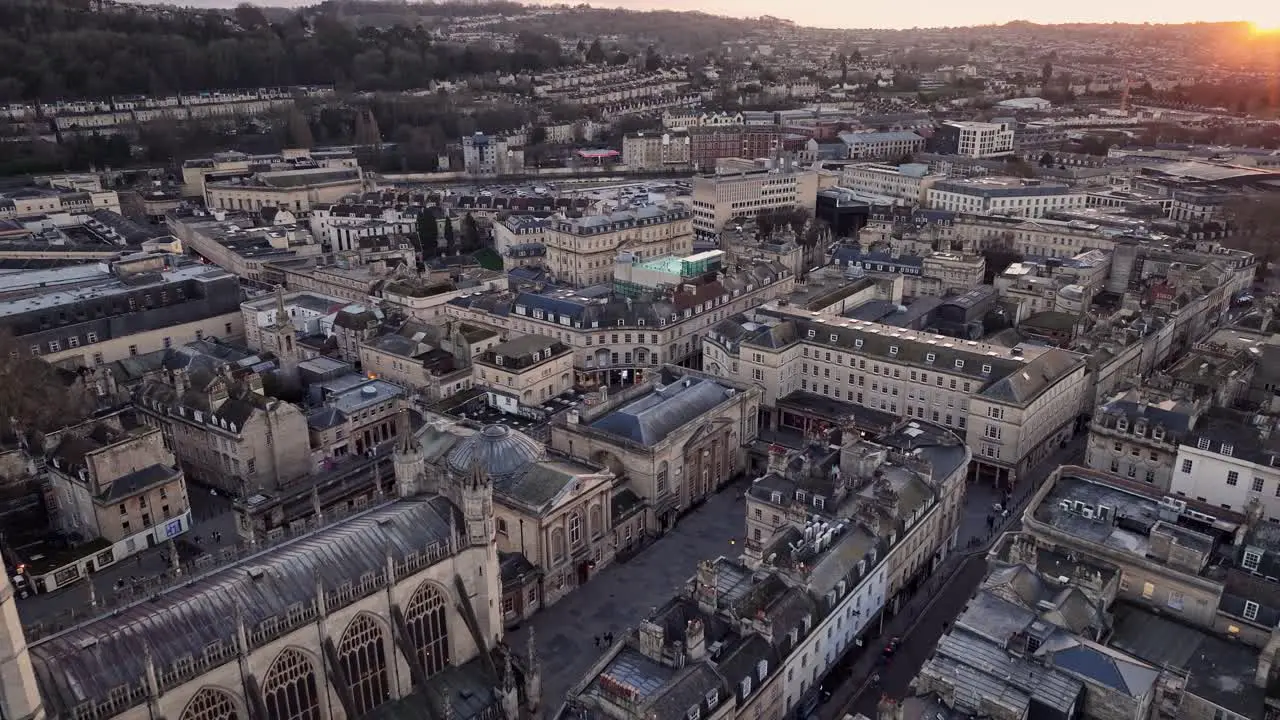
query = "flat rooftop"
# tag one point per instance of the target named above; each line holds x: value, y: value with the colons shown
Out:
x: 106, y: 285
x: 365, y: 394
x: 1073, y: 503
x: 1219, y: 670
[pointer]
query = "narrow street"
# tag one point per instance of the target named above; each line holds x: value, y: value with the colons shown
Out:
x: 936, y: 603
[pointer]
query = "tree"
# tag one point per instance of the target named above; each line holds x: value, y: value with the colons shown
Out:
x: 366, y: 129
x: 428, y: 233
x: 764, y: 225
x: 449, y: 242
x: 538, y: 135
x: 470, y: 234
x: 299, y: 130
x: 36, y: 396
x: 652, y: 60
x: 1018, y: 167
x: 619, y: 58
x: 1046, y: 73
x: 1046, y: 159
x: 595, y: 53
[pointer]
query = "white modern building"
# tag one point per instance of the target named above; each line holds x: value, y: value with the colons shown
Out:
x: 976, y: 139
x: 908, y: 183
x: 999, y: 195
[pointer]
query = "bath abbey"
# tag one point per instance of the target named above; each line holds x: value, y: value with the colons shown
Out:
x: 392, y: 611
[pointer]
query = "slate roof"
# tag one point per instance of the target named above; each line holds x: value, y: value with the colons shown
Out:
x: 1172, y: 418
x: 540, y: 482
x: 906, y: 348
x: 573, y: 308
x: 689, y: 690
x: 89, y: 661
x: 1114, y: 670
x: 515, y: 569
x: 139, y: 480
x: 1022, y: 386
x: 651, y: 418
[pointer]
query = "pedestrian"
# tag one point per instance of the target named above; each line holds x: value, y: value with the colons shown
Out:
x: 596, y: 639
x: 139, y: 559
x: 197, y: 539
x: 608, y: 638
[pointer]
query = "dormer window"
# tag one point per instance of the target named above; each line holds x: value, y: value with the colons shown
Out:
x: 746, y: 687
x: 1202, y: 443
x: 1158, y: 433
x: 930, y: 357
x: 497, y: 359
x: 959, y: 364
x: 694, y: 713
x: 775, y: 496
x: 819, y: 502
x: 1228, y: 449
x: 857, y: 343
x: 1122, y: 424
x: 713, y: 698
x: 893, y: 349
x: 621, y: 322
x: 762, y: 670
x: 808, y: 624
x: 813, y: 333
x: 794, y: 636
x: 986, y: 369
x: 835, y: 337
x: 800, y: 495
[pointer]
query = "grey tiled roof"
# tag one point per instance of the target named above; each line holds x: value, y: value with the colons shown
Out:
x: 185, y: 620
x: 138, y: 480
x: 651, y: 418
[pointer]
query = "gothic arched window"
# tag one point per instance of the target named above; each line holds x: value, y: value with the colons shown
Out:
x: 363, y: 655
x: 210, y: 704
x: 594, y: 521
x: 289, y: 690
x: 427, y: 618
x: 575, y: 529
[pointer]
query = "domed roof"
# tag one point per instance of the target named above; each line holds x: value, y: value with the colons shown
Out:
x: 501, y: 452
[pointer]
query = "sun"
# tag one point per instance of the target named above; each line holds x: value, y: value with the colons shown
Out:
x: 1265, y: 27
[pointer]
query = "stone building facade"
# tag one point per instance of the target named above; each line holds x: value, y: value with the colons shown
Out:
x: 393, y: 605
x: 677, y: 438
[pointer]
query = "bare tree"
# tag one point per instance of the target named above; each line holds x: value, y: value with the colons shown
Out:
x: 36, y: 395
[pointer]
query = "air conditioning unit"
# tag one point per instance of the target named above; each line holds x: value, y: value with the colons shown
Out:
x: 1104, y: 513
x: 1087, y: 512
x: 1065, y: 505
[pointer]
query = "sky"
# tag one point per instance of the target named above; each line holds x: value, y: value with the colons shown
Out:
x: 935, y: 13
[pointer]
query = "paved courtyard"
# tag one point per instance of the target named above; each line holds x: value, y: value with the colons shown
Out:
x: 624, y: 593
